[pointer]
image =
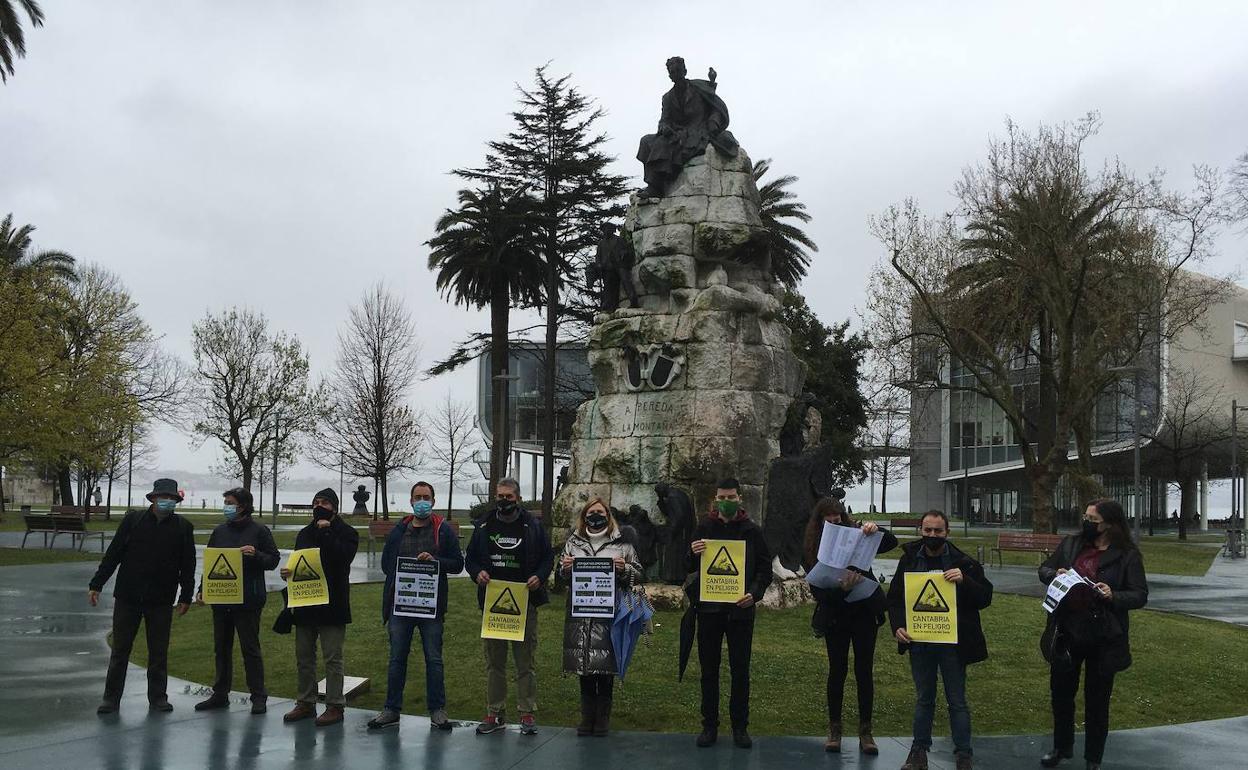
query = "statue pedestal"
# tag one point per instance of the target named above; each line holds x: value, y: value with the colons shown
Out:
x: 693, y: 385
x: 793, y: 592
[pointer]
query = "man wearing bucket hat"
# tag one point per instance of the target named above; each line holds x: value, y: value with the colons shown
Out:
x: 155, y: 549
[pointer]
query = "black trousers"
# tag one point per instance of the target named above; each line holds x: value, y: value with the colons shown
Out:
x: 861, y: 632
x: 597, y: 685
x: 157, y: 621
x: 713, y: 628
x: 226, y: 622
x: 1098, y: 686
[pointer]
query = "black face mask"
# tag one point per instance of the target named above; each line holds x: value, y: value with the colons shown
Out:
x: 933, y: 543
x: 506, y: 507
x: 1090, y: 531
x: 319, y: 514
x: 596, y: 521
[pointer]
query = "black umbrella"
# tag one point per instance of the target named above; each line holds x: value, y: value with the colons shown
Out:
x: 688, y: 630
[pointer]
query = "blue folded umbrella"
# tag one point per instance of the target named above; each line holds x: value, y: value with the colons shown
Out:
x: 631, y: 616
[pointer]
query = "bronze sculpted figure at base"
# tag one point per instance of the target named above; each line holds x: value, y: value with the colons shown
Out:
x: 613, y: 266
x: 692, y: 117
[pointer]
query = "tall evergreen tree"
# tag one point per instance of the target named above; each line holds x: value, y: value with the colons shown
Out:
x: 555, y: 151
x: 12, y: 37
x: 788, y: 242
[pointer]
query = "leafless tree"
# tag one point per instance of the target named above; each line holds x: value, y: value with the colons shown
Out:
x: 452, y: 439
x: 1046, y: 277
x: 370, y: 429
x: 248, y: 385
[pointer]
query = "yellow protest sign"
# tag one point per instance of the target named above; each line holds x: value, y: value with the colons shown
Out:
x: 723, y: 571
x: 931, y: 608
x: 306, y: 586
x: 223, y: 576
x: 506, y: 610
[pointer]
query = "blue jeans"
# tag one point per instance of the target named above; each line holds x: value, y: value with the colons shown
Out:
x: 925, y: 661
x: 401, y: 631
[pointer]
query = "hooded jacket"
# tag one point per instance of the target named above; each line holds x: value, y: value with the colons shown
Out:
x: 587, y: 646
x: 758, y: 574
x: 974, y: 594
x: 338, y: 543
x: 245, y: 530
x: 538, y: 557
x: 447, y: 552
x: 1121, y: 570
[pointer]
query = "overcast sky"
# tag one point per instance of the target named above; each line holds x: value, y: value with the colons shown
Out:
x: 287, y: 155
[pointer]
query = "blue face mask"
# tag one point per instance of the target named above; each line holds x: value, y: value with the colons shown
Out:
x: 422, y: 509
x: 166, y: 505
x: 229, y: 511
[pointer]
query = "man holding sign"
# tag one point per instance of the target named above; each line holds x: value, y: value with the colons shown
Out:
x: 933, y: 607
x: 510, y: 559
x: 319, y: 590
x: 240, y: 550
x: 730, y: 555
x: 419, y: 554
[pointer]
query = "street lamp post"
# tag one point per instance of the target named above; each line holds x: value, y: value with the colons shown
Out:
x: 277, y: 435
x: 1237, y: 485
x: 504, y: 453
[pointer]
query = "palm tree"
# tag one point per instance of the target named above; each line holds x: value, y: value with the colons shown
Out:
x: 788, y: 242
x: 486, y: 254
x: 16, y: 257
x: 12, y: 39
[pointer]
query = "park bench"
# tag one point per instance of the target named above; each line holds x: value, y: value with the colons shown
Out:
x: 1023, y: 541
x: 297, y: 507
x: 58, y: 523
x: 378, y: 531
x: 903, y: 523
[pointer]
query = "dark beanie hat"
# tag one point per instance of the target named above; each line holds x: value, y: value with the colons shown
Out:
x: 328, y: 494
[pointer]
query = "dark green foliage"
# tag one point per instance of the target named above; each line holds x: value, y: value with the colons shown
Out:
x: 12, y: 38
x: 788, y: 242
x: 832, y: 356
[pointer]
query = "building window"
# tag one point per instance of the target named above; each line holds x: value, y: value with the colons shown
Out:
x: 1241, y: 341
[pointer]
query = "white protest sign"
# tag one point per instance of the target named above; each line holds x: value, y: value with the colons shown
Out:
x: 1060, y: 588
x: 842, y: 547
x: 593, y: 587
x: 416, y: 588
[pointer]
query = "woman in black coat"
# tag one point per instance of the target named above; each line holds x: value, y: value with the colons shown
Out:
x: 1090, y: 626
x: 843, y: 623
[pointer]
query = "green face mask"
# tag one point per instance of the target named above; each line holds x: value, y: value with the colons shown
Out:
x: 727, y: 508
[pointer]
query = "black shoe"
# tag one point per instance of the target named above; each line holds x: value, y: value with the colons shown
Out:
x: 1093, y: 765
x: 212, y: 703
x: 161, y: 705
x: 259, y: 707
x: 1054, y: 758
x: 708, y: 737
x: 106, y: 707
x: 741, y: 739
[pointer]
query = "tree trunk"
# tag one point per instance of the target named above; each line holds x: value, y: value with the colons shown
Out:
x: 108, y: 501
x: 884, y: 486
x: 1, y: 496
x: 246, y: 466
x: 450, y: 485
x: 500, y: 309
x: 1187, y: 502
x: 552, y: 363
x: 1043, y: 482
x: 65, y: 484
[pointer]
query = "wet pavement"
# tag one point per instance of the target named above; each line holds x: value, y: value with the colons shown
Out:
x: 53, y: 655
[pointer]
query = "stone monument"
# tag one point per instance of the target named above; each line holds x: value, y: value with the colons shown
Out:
x: 695, y: 380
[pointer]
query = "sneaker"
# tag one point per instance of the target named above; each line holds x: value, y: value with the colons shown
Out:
x: 528, y: 725
x: 439, y: 721
x: 491, y: 724
x: 212, y: 703
x: 1055, y: 757
x: 383, y: 720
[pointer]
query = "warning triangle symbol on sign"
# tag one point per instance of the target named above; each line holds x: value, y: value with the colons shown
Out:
x: 505, y: 604
x: 303, y: 571
x: 722, y: 564
x: 221, y: 569
x: 930, y: 599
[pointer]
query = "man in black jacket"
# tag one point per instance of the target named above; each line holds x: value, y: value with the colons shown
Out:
x: 934, y: 553
x: 338, y: 542
x: 717, y: 621
x: 155, y: 549
x: 240, y: 530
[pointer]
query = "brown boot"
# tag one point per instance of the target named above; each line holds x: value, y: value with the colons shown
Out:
x: 332, y: 716
x: 833, y: 743
x: 299, y: 712
x: 586, y: 725
x: 866, y: 744
x: 916, y: 760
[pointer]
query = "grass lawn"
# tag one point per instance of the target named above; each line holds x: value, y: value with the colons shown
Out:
x: 1008, y: 692
x: 10, y: 557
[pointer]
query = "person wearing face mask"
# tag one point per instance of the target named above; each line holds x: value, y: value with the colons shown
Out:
x: 427, y: 537
x: 1090, y: 626
x: 728, y: 520
x: 843, y: 624
x: 327, y: 623
x: 509, y: 543
x: 934, y: 553
x: 155, y: 549
x: 240, y: 530
x: 587, y: 648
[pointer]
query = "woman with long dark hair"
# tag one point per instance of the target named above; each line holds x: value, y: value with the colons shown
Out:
x: 1090, y: 627
x: 842, y: 624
